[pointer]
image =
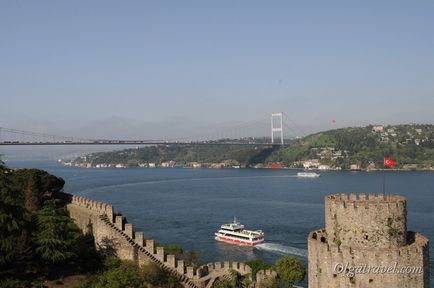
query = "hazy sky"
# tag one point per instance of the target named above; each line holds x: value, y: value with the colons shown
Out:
x: 151, y: 69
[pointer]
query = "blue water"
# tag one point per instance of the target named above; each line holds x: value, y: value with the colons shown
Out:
x: 186, y: 206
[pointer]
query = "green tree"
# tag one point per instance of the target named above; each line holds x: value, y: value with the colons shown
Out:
x: 222, y: 284
x: 83, y: 246
x: 127, y: 275
x: 290, y: 269
x: 54, y: 238
x: 172, y: 282
x: 258, y: 264
x: 13, y: 283
x: 191, y: 258
x: 36, y: 235
x: 270, y: 283
x: 237, y: 279
x: 32, y: 200
x: 12, y: 222
x: 154, y: 275
x: 173, y: 249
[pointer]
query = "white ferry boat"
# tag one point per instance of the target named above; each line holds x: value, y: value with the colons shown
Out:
x: 308, y: 174
x: 236, y: 234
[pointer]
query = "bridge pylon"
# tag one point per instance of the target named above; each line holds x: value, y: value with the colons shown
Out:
x: 277, y: 127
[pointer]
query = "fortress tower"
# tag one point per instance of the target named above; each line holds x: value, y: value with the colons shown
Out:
x: 365, y: 243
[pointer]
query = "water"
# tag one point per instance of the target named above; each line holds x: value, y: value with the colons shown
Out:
x: 186, y: 206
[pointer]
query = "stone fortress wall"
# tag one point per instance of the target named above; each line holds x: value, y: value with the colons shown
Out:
x: 113, y: 232
x: 366, y: 230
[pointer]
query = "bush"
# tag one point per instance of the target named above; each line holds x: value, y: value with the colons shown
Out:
x: 172, y: 249
x: 37, y: 237
x: 290, y: 269
x: 270, y: 283
x: 112, y: 263
x: 126, y: 275
x: 13, y: 283
x: 153, y: 274
x: 257, y: 264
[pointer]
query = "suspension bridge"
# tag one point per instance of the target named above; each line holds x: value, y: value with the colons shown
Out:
x: 283, y: 129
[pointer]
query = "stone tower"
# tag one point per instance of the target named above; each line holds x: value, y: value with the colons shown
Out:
x: 365, y: 243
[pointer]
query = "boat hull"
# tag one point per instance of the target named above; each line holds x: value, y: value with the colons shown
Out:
x: 307, y: 175
x: 237, y: 241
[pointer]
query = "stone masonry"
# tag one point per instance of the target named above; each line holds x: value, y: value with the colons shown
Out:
x: 113, y: 232
x: 365, y: 243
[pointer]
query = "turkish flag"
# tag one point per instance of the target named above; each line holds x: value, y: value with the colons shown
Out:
x: 388, y: 162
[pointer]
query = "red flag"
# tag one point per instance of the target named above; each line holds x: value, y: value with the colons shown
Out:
x: 388, y: 162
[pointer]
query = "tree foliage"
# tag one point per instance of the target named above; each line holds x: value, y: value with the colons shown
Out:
x: 12, y: 221
x: 243, y: 155
x: 410, y: 144
x: 191, y: 258
x: 290, y: 269
x: 38, y: 239
x: 36, y: 235
x: 31, y: 197
x: 124, y: 273
x: 236, y: 280
x: 173, y: 249
x: 273, y: 283
x: 258, y: 264
x: 127, y: 274
x: 54, y: 237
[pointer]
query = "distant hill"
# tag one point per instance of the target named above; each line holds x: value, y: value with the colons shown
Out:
x: 184, y: 155
x: 411, y: 145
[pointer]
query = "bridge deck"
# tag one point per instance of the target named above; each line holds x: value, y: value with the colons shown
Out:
x: 132, y: 143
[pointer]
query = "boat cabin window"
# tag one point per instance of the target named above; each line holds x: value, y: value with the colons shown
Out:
x: 237, y: 236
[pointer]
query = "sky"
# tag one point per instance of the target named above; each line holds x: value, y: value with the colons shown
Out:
x: 170, y: 69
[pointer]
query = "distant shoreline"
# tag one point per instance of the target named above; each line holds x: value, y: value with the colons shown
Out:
x: 252, y: 168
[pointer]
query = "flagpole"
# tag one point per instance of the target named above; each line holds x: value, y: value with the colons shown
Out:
x: 387, y: 162
x: 383, y: 176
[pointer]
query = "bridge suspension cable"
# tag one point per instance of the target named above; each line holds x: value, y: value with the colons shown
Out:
x: 16, y: 135
x: 243, y: 130
x: 300, y: 130
x: 244, y: 133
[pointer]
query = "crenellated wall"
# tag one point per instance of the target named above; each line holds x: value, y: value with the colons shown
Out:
x: 113, y: 232
x: 366, y: 232
x: 264, y: 275
x: 366, y: 220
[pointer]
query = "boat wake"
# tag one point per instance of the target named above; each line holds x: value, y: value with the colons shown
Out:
x: 282, y: 249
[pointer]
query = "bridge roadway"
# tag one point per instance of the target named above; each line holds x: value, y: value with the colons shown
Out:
x: 130, y: 142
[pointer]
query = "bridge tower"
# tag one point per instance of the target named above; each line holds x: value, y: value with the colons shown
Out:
x: 277, y: 118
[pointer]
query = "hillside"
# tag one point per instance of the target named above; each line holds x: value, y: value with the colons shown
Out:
x: 411, y: 145
x: 177, y: 155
